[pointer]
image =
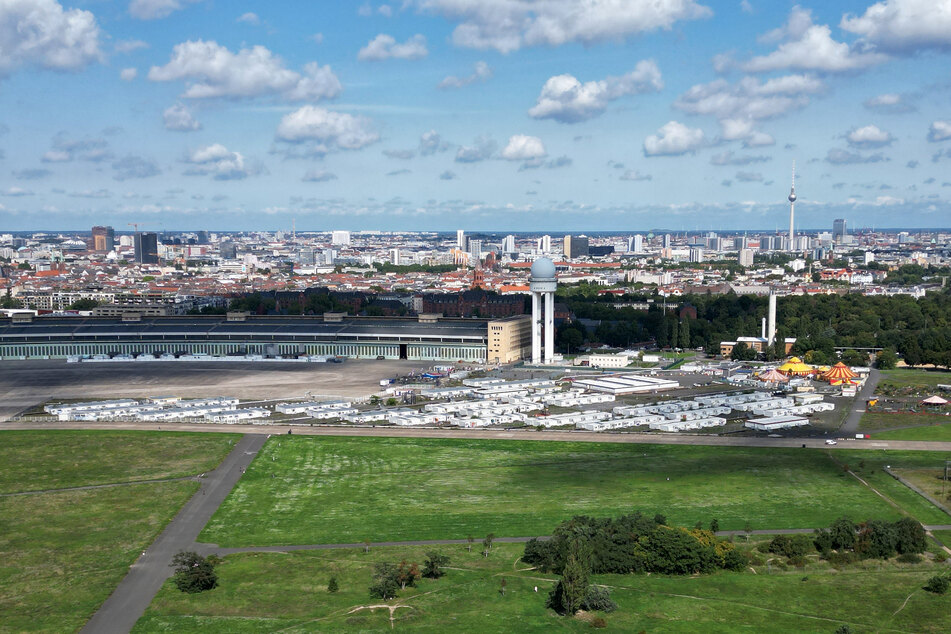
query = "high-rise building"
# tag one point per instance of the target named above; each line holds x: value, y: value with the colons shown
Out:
x: 103, y: 239
x: 475, y: 250
x: 696, y: 253
x: 667, y: 241
x: 146, y: 248
x: 202, y: 237
x: 229, y: 250
x: 746, y: 257
x: 461, y: 240
x: 340, y: 238
x: 307, y: 256
x: 395, y: 257
x: 838, y: 230
x: 636, y: 244
x: 576, y: 246
x: 508, y: 244
x: 544, y: 244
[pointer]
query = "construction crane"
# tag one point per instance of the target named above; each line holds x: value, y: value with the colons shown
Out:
x: 135, y: 225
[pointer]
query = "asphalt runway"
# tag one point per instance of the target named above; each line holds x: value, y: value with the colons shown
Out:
x: 24, y: 384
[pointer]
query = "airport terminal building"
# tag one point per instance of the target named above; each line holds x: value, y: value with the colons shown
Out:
x: 426, y: 338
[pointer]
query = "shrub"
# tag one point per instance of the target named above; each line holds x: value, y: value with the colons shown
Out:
x: 598, y: 622
x: 795, y: 546
x: 909, y: 558
x: 937, y: 584
x: 941, y: 556
x: 194, y: 573
x: 332, y: 585
x: 910, y: 536
x: 798, y: 561
x: 735, y: 560
x: 598, y: 598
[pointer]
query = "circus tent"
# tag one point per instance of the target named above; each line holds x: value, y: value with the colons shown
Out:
x: 773, y: 376
x: 839, y: 373
x: 795, y: 367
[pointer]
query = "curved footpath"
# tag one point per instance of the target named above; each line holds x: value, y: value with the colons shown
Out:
x: 479, y: 434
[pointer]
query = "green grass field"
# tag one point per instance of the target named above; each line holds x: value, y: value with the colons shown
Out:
x: 937, y: 428
x: 343, y: 490
x: 62, y: 553
x: 38, y: 460
x: 906, y: 377
x: 880, y: 421
x: 267, y: 592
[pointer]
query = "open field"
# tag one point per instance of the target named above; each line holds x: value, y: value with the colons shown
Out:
x: 37, y: 460
x: 906, y: 377
x: 935, y: 428
x: 266, y: 592
x: 62, y: 554
x: 26, y: 383
x: 303, y: 490
x: 879, y: 421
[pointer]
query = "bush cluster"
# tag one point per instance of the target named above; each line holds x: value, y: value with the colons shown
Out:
x: 872, y: 539
x: 635, y: 543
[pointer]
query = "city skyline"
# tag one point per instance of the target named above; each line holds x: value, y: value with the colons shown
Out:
x: 685, y: 115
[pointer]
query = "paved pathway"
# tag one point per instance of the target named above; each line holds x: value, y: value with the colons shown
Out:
x: 135, y: 592
x: 851, y: 426
x: 98, y: 486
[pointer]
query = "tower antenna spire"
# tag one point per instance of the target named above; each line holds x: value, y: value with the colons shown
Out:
x: 792, y: 208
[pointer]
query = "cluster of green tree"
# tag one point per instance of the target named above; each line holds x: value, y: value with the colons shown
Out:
x: 83, y: 304
x: 9, y: 301
x: 260, y: 304
x: 873, y: 539
x: 194, y: 573
x: 386, y: 267
x: 918, y: 329
x: 389, y: 578
x: 910, y: 274
x: 635, y: 543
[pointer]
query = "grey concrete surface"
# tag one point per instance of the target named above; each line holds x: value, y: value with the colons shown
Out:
x: 851, y: 425
x: 24, y: 384
x: 135, y: 592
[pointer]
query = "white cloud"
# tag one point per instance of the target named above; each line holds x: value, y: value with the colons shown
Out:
x: 749, y: 177
x: 481, y: 150
x: 400, y: 155
x: 745, y: 6
x: 634, y: 175
x: 41, y: 33
x: 523, y: 148
x: 431, y: 142
x: 903, y: 25
x: 939, y: 131
x: 565, y: 99
x: 16, y: 192
x: 888, y: 103
x: 211, y: 70
x: 65, y: 149
x: 326, y: 130
x: 318, y: 176
x: 219, y: 162
x: 729, y: 158
x: 128, y: 74
x: 448, y: 175
x: 480, y: 73
x: 385, y: 46
x: 249, y: 18
x: 672, y: 139
x: 808, y: 46
x: 132, y: 166
x: 838, y: 156
x: 385, y: 10
x: 868, y: 137
x: 739, y: 106
x: 128, y: 46
x: 179, y: 118
x: 508, y: 25
x: 156, y: 9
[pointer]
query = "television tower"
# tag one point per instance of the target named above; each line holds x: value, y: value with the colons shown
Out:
x: 792, y: 208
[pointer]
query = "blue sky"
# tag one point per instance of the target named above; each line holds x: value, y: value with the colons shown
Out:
x: 523, y: 115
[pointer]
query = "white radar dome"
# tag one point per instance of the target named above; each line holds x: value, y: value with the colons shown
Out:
x: 543, y: 269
